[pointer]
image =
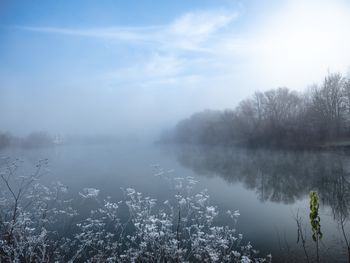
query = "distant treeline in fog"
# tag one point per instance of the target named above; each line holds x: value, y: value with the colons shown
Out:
x: 35, y: 139
x: 44, y: 139
x: 278, y: 117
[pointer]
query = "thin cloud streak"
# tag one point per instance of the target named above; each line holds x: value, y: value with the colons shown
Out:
x: 118, y: 33
x: 187, y: 32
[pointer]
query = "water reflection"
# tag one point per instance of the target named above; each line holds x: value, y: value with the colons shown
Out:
x: 277, y: 176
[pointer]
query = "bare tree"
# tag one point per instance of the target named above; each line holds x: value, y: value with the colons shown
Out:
x: 346, y: 95
x: 328, y: 104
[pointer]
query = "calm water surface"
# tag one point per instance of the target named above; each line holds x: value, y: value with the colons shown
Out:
x: 268, y: 187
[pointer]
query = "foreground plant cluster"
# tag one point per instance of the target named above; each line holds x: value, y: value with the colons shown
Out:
x: 40, y: 224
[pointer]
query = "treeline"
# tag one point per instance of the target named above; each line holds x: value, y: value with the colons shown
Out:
x: 278, y: 117
x: 5, y: 139
x: 33, y: 140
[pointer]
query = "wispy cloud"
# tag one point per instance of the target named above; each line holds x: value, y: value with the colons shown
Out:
x: 184, y: 53
x: 194, y: 29
x: 109, y: 33
x: 189, y: 31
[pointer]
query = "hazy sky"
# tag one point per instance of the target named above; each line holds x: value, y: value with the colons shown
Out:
x: 137, y: 66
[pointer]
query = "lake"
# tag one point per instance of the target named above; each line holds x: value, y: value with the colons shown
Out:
x: 268, y: 187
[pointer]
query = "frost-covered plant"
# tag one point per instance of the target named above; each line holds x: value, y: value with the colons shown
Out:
x: 99, y: 237
x: 182, y: 232
x: 178, y: 230
x: 30, y: 214
x: 39, y: 224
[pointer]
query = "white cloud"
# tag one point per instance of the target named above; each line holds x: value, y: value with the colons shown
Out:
x: 184, y: 55
x: 191, y: 30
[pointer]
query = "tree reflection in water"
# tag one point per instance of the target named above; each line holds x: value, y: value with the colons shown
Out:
x: 276, y: 175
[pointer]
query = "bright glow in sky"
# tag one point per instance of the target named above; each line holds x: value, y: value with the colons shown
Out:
x: 116, y: 66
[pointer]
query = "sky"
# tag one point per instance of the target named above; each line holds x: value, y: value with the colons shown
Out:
x: 137, y: 67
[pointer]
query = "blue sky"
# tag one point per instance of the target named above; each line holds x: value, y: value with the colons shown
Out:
x: 121, y: 66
